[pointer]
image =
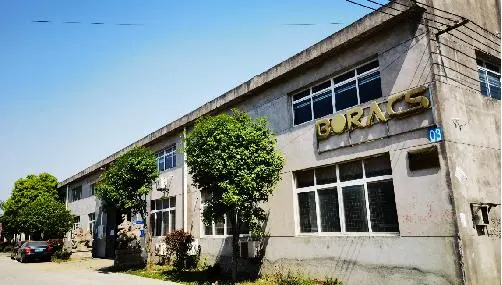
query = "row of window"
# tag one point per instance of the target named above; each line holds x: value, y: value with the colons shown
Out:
x: 363, y: 84
x: 166, y: 159
x: 355, y: 196
x: 352, y: 88
x: 163, y: 216
x: 76, y: 192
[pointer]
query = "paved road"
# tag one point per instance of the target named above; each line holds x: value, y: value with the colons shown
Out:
x: 74, y: 273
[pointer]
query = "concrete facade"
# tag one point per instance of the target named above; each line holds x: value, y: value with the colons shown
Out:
x: 437, y: 241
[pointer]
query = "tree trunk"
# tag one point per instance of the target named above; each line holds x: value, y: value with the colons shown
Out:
x: 235, y: 245
x: 148, y: 245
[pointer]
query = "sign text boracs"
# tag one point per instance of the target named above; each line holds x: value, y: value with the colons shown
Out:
x: 415, y: 100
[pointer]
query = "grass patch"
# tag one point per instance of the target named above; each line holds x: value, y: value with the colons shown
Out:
x: 209, y: 275
x: 59, y: 260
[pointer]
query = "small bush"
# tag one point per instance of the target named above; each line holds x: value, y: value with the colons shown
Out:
x: 62, y: 254
x: 56, y: 244
x: 331, y: 281
x: 178, y: 244
x: 7, y: 248
x: 293, y: 279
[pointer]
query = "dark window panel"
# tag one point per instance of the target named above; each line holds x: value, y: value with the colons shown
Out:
x: 173, y: 220
x: 344, y: 77
x: 165, y: 222
x: 158, y: 204
x: 351, y: 170
x: 377, y: 166
x: 367, y: 67
x: 328, y: 206
x: 321, y: 86
x: 220, y: 228
x: 370, y: 87
x: 322, y: 104
x: 301, y: 95
x: 354, y: 204
x: 172, y: 202
x: 165, y: 203
x: 383, y: 214
x: 325, y: 175
x: 152, y: 205
x: 158, y: 224
x: 345, y: 96
x: 427, y: 158
x: 492, y: 67
x: 307, y: 209
x: 302, y: 111
x: 208, y: 229
x: 304, y: 178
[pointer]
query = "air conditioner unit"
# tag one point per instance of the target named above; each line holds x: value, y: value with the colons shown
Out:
x: 249, y: 249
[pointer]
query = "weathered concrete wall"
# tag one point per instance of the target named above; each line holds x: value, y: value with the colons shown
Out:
x: 471, y: 124
x: 424, y: 251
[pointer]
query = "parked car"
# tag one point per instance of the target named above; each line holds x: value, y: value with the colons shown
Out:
x: 16, y: 247
x: 34, y: 250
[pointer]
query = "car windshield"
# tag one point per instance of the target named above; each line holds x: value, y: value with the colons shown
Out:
x: 36, y: 243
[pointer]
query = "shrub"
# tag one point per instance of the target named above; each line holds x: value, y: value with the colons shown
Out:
x: 178, y: 244
x: 293, y: 279
x: 7, y: 248
x: 56, y: 244
x: 331, y: 281
x: 62, y: 254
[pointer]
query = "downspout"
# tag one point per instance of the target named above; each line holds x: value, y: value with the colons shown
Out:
x: 185, y: 185
x: 66, y: 204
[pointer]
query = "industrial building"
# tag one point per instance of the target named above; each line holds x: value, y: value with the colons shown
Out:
x: 391, y: 132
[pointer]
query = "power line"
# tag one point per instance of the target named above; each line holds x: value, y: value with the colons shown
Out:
x: 78, y: 22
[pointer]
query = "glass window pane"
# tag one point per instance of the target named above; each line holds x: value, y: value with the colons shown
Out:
x: 369, y: 87
x: 492, y: 67
x: 158, y: 224
x: 173, y: 202
x: 304, y: 178
x: 302, y: 111
x: 220, y: 228
x: 354, y: 205
x: 377, y: 166
x: 208, y: 230
x: 173, y: 220
x: 383, y: 214
x: 158, y: 204
x: 328, y: 205
x: 174, y: 160
x: 494, y: 82
x: 229, y: 227
x: 165, y: 222
x: 322, y: 104
x: 483, y: 82
x: 343, y: 77
x: 307, y: 209
x: 301, y: 95
x: 321, y: 86
x: 325, y: 175
x: 165, y: 203
x: 367, y: 67
x: 346, y: 96
x: 351, y: 170
x: 161, y: 164
x: 244, y: 228
x: 152, y: 224
x: 152, y: 205
x: 169, y: 161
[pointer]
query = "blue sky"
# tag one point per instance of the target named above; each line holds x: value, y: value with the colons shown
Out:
x: 72, y: 94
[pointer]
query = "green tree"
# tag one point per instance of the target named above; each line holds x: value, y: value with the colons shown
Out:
x: 25, y: 191
x: 125, y: 184
x: 47, y: 216
x: 235, y: 159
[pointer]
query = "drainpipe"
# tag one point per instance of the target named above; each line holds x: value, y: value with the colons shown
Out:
x: 185, y: 185
x: 66, y: 204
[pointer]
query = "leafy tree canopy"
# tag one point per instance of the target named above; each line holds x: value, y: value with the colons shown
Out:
x: 47, y: 216
x: 129, y: 178
x: 235, y: 159
x: 25, y: 191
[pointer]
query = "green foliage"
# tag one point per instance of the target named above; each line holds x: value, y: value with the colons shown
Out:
x: 25, y: 191
x: 62, y: 254
x: 235, y: 159
x: 331, y: 281
x: 47, y: 216
x: 293, y: 279
x: 126, y: 182
x: 178, y: 243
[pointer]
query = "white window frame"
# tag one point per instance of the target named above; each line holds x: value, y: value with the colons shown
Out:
x: 341, y: 209
x: 92, y: 222
x: 76, y: 225
x: 155, y: 212
x: 93, y: 189
x: 74, y: 191
x: 485, y: 70
x: 161, y: 155
x: 331, y: 88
